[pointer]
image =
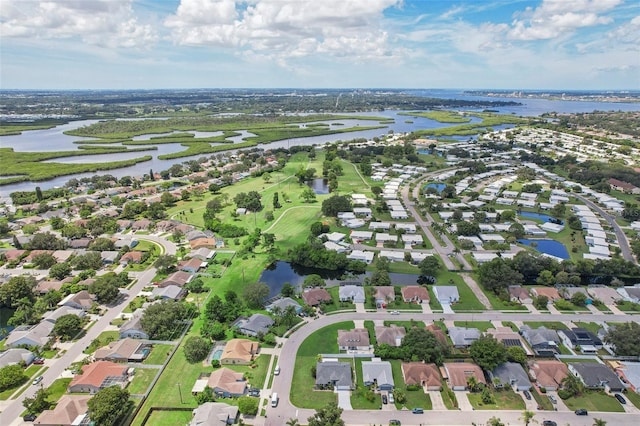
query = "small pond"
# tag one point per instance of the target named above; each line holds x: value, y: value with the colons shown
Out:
x: 437, y: 186
x: 282, y: 272
x: 551, y: 247
x: 319, y: 185
x: 540, y: 216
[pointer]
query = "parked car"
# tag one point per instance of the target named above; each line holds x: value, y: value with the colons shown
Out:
x: 395, y: 312
x: 549, y: 423
x: 620, y: 398
x: 37, y: 380
x: 384, y: 399
x: 391, y: 400
x: 582, y: 412
x: 254, y: 392
x: 527, y: 395
x: 38, y: 361
x: 553, y: 399
x: 29, y: 417
x: 394, y: 422
x: 417, y: 411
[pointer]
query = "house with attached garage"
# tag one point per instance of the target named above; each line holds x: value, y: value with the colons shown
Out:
x: 333, y: 374
x: 353, y: 340
x: 446, y: 293
x: 457, y: 374
x: 377, y: 373
x: 424, y: 375
x: 510, y: 374
x: 548, y: 374
x: 596, y: 376
x: 351, y: 293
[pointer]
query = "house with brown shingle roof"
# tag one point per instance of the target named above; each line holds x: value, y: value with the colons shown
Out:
x: 437, y: 331
x: 316, y: 296
x: 550, y: 292
x: 519, y: 294
x: 70, y: 410
x: 391, y: 335
x: 239, y: 351
x: 384, y: 294
x: 13, y: 254
x: 131, y: 257
x: 202, y: 242
x: 98, y: 375
x: 548, y: 374
x: 178, y: 278
x: 125, y: 350
x: 141, y: 225
x: 227, y: 383
x: 415, y: 293
x: 191, y: 265
x: 356, y: 339
x: 425, y: 375
x: 457, y: 374
x: 80, y: 300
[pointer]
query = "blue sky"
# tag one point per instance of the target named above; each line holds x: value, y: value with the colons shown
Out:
x: 501, y: 44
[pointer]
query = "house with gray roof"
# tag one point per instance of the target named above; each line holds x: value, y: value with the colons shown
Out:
x: 36, y: 335
x: 543, y: 341
x: 391, y: 335
x: 446, y: 294
x: 378, y: 373
x: 170, y: 292
x: 351, y: 293
x: 630, y: 293
x: 629, y: 372
x: 334, y: 374
x: 463, y: 337
x: 596, y: 376
x: 353, y: 340
x: 254, y: 325
x: 15, y: 356
x: 283, y: 304
x: 510, y: 374
x: 133, y: 328
x: 214, y: 413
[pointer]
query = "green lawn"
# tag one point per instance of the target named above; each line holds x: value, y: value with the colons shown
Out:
x: 363, y: 398
x: 468, y: 300
x: 158, y: 354
x: 369, y: 325
x: 480, y: 325
x: 416, y: 398
x: 541, y: 399
x: 58, y: 388
x: 549, y: 324
x: 625, y: 306
x: 594, y: 401
x: 103, y: 339
x: 590, y: 326
x: 141, y: 380
x: 324, y: 340
x: 408, y: 325
x: 504, y: 400
x: 337, y: 305
x: 169, y: 418
x: 255, y: 374
x: 434, y: 304
x: 501, y: 305
x: 633, y: 397
x: 448, y: 397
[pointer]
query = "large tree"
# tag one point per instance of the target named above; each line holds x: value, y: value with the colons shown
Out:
x: 67, y: 327
x: 255, y: 294
x: 430, y: 265
x: 163, y: 321
x: 336, y: 204
x: 44, y: 260
x: 108, y: 406
x: 488, y: 352
x: 165, y: 262
x: 10, y: 376
x: 329, y: 415
x: 16, y: 289
x: 248, y: 405
x: 421, y: 345
x: 196, y: 349
x: 106, y: 291
x: 497, y: 275
x: 625, y: 338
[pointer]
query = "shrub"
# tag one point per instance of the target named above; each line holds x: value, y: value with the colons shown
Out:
x: 564, y: 394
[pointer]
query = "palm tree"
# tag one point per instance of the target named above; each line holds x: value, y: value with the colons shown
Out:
x: 527, y: 417
x: 293, y: 422
x: 599, y: 422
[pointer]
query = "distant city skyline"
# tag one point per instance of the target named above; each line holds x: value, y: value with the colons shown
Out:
x: 473, y: 44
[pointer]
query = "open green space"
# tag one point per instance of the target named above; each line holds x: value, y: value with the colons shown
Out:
x: 158, y: 355
x: 480, y: 325
x: 142, y: 378
x: 256, y: 373
x: 103, y: 339
x: 505, y: 399
x: 440, y: 116
x: 626, y: 306
x: 488, y: 120
x: 468, y: 300
x: 594, y: 401
x: 501, y: 305
x: 169, y: 418
x: 553, y: 325
x: 542, y: 400
x: 58, y: 388
x: 633, y: 397
x: 10, y: 129
x: 325, y: 340
x: 590, y: 326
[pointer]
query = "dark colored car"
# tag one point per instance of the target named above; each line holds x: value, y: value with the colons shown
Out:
x: 29, y: 417
x: 417, y: 411
x: 394, y: 422
x: 527, y: 395
x: 254, y: 392
x: 582, y: 412
x: 38, y: 361
x: 549, y: 423
x: 620, y: 398
x: 384, y: 399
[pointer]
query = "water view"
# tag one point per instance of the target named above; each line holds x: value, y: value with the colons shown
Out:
x: 437, y: 186
x: 319, y: 185
x: 540, y: 216
x: 551, y: 247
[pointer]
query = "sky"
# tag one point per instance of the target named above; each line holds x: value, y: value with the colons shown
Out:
x: 469, y: 44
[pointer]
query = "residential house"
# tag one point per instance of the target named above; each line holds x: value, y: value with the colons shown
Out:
x: 543, y: 341
x: 596, y: 376
x: 446, y: 294
x: 44, y: 287
x: 506, y: 336
x: 606, y: 295
x: 510, y: 374
x: 227, y: 383
x: 458, y: 373
x: 630, y: 293
x: 125, y: 350
x: 133, y: 327
x: 377, y: 373
x: 316, y: 296
x: 98, y: 375
x: 550, y: 293
x: 80, y: 300
x: 52, y: 316
x: 415, y: 293
x: 80, y: 243
x: 334, y: 374
x: 255, y: 325
x: 463, y: 337
x: 351, y: 293
x: 203, y: 253
x: 629, y: 373
x: 30, y: 336
x: 283, y: 303
x: 192, y: 265
x: 391, y: 335
x: 239, y: 351
x: 15, y: 356
x: 437, y: 331
x: 214, y: 413
x: 622, y: 186
x: 548, y: 374
x: 198, y: 243
x: 353, y: 340
x: 131, y: 257
x: 141, y: 225
x: 425, y: 375
x: 384, y: 295
x: 70, y: 410
x: 170, y: 292
x: 178, y: 278
x: 519, y: 294
x: 109, y: 256
x: 586, y: 341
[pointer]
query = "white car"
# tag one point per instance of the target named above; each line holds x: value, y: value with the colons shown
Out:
x: 395, y: 313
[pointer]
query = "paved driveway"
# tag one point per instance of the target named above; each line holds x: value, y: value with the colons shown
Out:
x: 344, y: 399
x: 436, y: 400
x: 463, y: 401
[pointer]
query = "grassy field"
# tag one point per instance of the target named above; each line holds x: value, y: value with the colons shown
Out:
x: 480, y: 325
x: 103, y: 339
x: 359, y: 400
x: 58, y: 388
x: 158, y: 355
x: 488, y: 120
x: 549, y: 324
x: 141, y: 380
x: 256, y: 374
x: 504, y: 400
x: 324, y: 340
x: 169, y: 418
x: 468, y: 300
x: 590, y: 326
x: 440, y: 116
x: 633, y: 397
x: 594, y: 401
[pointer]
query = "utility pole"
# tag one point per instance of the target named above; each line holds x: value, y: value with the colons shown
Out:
x: 180, y: 392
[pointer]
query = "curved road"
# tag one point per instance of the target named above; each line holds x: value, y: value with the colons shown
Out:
x: 282, y: 383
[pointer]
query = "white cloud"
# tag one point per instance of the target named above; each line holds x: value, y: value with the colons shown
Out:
x: 282, y: 29
x: 109, y: 23
x: 554, y: 18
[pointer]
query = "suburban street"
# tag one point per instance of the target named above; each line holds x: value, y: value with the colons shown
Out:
x: 282, y: 383
x: 11, y: 413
